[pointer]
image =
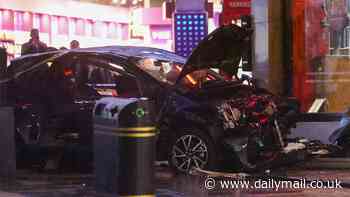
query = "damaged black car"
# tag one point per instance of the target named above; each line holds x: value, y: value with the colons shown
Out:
x: 203, y: 120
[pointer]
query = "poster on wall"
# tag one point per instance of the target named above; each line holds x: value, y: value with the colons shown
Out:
x: 337, y: 14
x: 321, y: 71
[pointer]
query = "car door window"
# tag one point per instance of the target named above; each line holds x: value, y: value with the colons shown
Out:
x: 30, y: 86
x: 95, y: 75
x: 61, y: 85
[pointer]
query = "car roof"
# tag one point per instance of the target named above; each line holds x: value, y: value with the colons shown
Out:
x: 136, y: 51
x: 119, y: 51
x: 29, y: 62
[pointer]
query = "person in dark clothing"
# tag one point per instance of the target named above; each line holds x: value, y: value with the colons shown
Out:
x: 74, y: 44
x: 34, y: 45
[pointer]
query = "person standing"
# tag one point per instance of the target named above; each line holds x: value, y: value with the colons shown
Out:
x: 34, y: 45
x: 74, y: 44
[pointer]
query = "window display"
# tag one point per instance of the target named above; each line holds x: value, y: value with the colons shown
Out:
x: 321, y: 57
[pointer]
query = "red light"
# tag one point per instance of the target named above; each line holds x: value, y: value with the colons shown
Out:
x: 68, y: 72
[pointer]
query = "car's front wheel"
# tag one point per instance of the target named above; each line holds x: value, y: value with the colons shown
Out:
x: 344, y: 143
x: 192, y: 148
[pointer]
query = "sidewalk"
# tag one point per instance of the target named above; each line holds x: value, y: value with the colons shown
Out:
x: 167, y: 185
x: 31, y: 184
x: 5, y: 194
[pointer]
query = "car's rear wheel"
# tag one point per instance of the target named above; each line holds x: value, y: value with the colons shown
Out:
x: 192, y: 149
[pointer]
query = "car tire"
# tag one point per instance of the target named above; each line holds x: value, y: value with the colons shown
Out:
x: 192, y: 148
x: 248, y: 159
x: 346, y: 150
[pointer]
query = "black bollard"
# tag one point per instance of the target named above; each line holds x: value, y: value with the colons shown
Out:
x: 7, y: 145
x: 3, y: 66
x: 7, y: 130
x: 124, y: 147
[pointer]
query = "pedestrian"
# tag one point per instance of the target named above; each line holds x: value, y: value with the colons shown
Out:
x: 74, y: 44
x: 34, y: 45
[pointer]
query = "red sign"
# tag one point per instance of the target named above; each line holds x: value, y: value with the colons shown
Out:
x: 237, y: 6
x: 234, y: 9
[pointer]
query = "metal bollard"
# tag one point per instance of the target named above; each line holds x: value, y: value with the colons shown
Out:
x: 124, y: 147
x: 7, y: 145
x: 3, y: 66
x: 7, y: 128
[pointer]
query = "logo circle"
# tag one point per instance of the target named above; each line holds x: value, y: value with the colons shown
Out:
x: 209, y: 183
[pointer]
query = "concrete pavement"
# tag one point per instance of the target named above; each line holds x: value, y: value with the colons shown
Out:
x: 29, y: 184
x: 6, y: 194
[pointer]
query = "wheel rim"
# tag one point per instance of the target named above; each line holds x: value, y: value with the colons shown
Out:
x: 189, y: 151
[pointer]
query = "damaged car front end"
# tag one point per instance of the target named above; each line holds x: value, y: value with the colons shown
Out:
x: 210, y: 121
x: 234, y: 125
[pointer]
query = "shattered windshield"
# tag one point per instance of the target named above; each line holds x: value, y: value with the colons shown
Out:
x: 168, y: 72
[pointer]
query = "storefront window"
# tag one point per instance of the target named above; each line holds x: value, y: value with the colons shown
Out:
x: 63, y: 26
x: 326, y: 71
x: 80, y: 27
x: 36, y: 21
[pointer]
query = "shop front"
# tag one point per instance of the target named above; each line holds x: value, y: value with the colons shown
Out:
x: 59, y: 22
x: 301, y: 49
x: 321, y: 54
x: 150, y: 27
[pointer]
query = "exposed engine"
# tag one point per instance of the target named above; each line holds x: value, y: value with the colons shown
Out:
x: 254, y: 110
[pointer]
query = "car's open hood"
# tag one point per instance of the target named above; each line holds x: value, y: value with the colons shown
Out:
x: 222, y: 48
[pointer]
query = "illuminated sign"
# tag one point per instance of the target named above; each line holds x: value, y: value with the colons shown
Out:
x: 233, y: 10
x: 239, y: 4
x: 189, y: 30
x: 161, y: 35
x: 137, y: 31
